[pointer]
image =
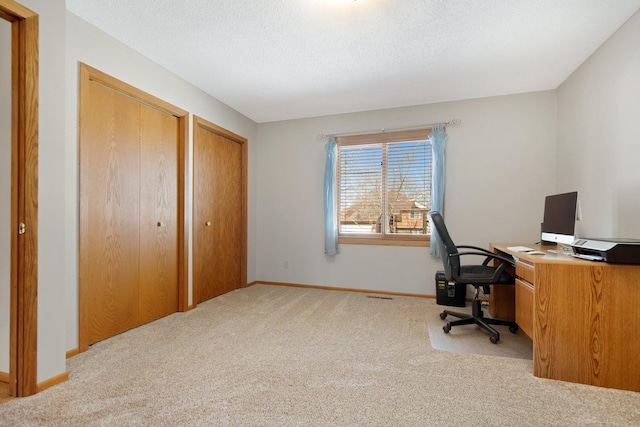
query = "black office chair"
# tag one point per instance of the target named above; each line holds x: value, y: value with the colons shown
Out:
x: 478, y: 276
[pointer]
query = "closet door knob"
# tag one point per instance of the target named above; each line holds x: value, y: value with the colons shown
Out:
x: 160, y: 224
x: 208, y: 223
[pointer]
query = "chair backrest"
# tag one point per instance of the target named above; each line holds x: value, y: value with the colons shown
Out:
x: 447, y: 247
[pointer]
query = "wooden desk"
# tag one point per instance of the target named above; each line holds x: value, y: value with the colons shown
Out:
x: 583, y: 317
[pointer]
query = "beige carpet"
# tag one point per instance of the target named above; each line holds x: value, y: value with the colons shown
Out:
x: 277, y: 356
x: 471, y: 339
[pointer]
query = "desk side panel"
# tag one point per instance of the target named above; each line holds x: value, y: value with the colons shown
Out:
x: 561, y: 341
x: 586, y: 323
x: 619, y: 326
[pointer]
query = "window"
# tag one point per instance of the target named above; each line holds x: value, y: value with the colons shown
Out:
x: 384, y: 188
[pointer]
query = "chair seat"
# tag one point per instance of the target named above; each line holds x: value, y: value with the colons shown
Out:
x: 478, y: 274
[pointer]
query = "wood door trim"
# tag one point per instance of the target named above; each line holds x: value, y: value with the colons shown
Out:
x: 24, y: 197
x: 200, y: 122
x: 131, y: 91
x: 89, y: 74
x: 244, y: 142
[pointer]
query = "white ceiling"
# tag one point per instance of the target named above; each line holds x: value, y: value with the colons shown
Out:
x: 283, y: 59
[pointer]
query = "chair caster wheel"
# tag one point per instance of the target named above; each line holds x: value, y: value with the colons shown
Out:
x: 443, y: 316
x: 513, y: 329
x: 446, y: 328
x: 494, y: 339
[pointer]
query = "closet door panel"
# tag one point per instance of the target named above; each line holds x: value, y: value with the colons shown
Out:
x: 158, y: 214
x: 218, y: 223
x: 204, y: 262
x: 227, y: 229
x: 110, y: 217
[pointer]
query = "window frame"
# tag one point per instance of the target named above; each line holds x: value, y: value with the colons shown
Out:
x: 379, y: 138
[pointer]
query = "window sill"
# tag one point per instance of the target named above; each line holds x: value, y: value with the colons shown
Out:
x: 395, y: 241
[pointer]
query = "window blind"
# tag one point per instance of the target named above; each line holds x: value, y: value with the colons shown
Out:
x: 408, y: 187
x: 360, y: 182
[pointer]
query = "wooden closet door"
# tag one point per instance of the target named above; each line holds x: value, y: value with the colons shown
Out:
x: 110, y: 212
x: 133, y: 165
x: 158, y: 214
x: 218, y: 205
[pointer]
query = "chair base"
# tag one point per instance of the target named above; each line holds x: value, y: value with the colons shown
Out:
x: 477, y: 317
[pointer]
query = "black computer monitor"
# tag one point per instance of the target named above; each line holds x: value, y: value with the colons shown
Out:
x: 559, y: 221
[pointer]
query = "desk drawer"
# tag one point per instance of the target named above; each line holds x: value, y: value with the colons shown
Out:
x: 525, y: 272
x: 524, y: 307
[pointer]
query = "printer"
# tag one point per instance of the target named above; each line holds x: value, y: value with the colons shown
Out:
x: 613, y: 250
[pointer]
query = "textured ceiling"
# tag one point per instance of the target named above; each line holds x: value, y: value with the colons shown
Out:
x: 282, y: 59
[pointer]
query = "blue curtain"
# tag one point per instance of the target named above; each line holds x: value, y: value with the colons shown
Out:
x: 330, y: 200
x: 438, y: 139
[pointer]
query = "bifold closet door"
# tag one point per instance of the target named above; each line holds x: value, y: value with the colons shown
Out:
x: 128, y: 219
x: 218, y: 217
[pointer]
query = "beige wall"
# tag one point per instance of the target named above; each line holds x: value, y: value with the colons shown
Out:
x: 500, y: 165
x: 599, y: 136
x: 5, y: 191
x: 506, y: 156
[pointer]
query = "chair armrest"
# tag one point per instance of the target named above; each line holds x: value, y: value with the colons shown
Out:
x: 484, y: 252
x: 477, y: 248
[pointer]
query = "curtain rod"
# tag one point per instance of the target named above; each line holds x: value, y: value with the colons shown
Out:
x: 452, y: 122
